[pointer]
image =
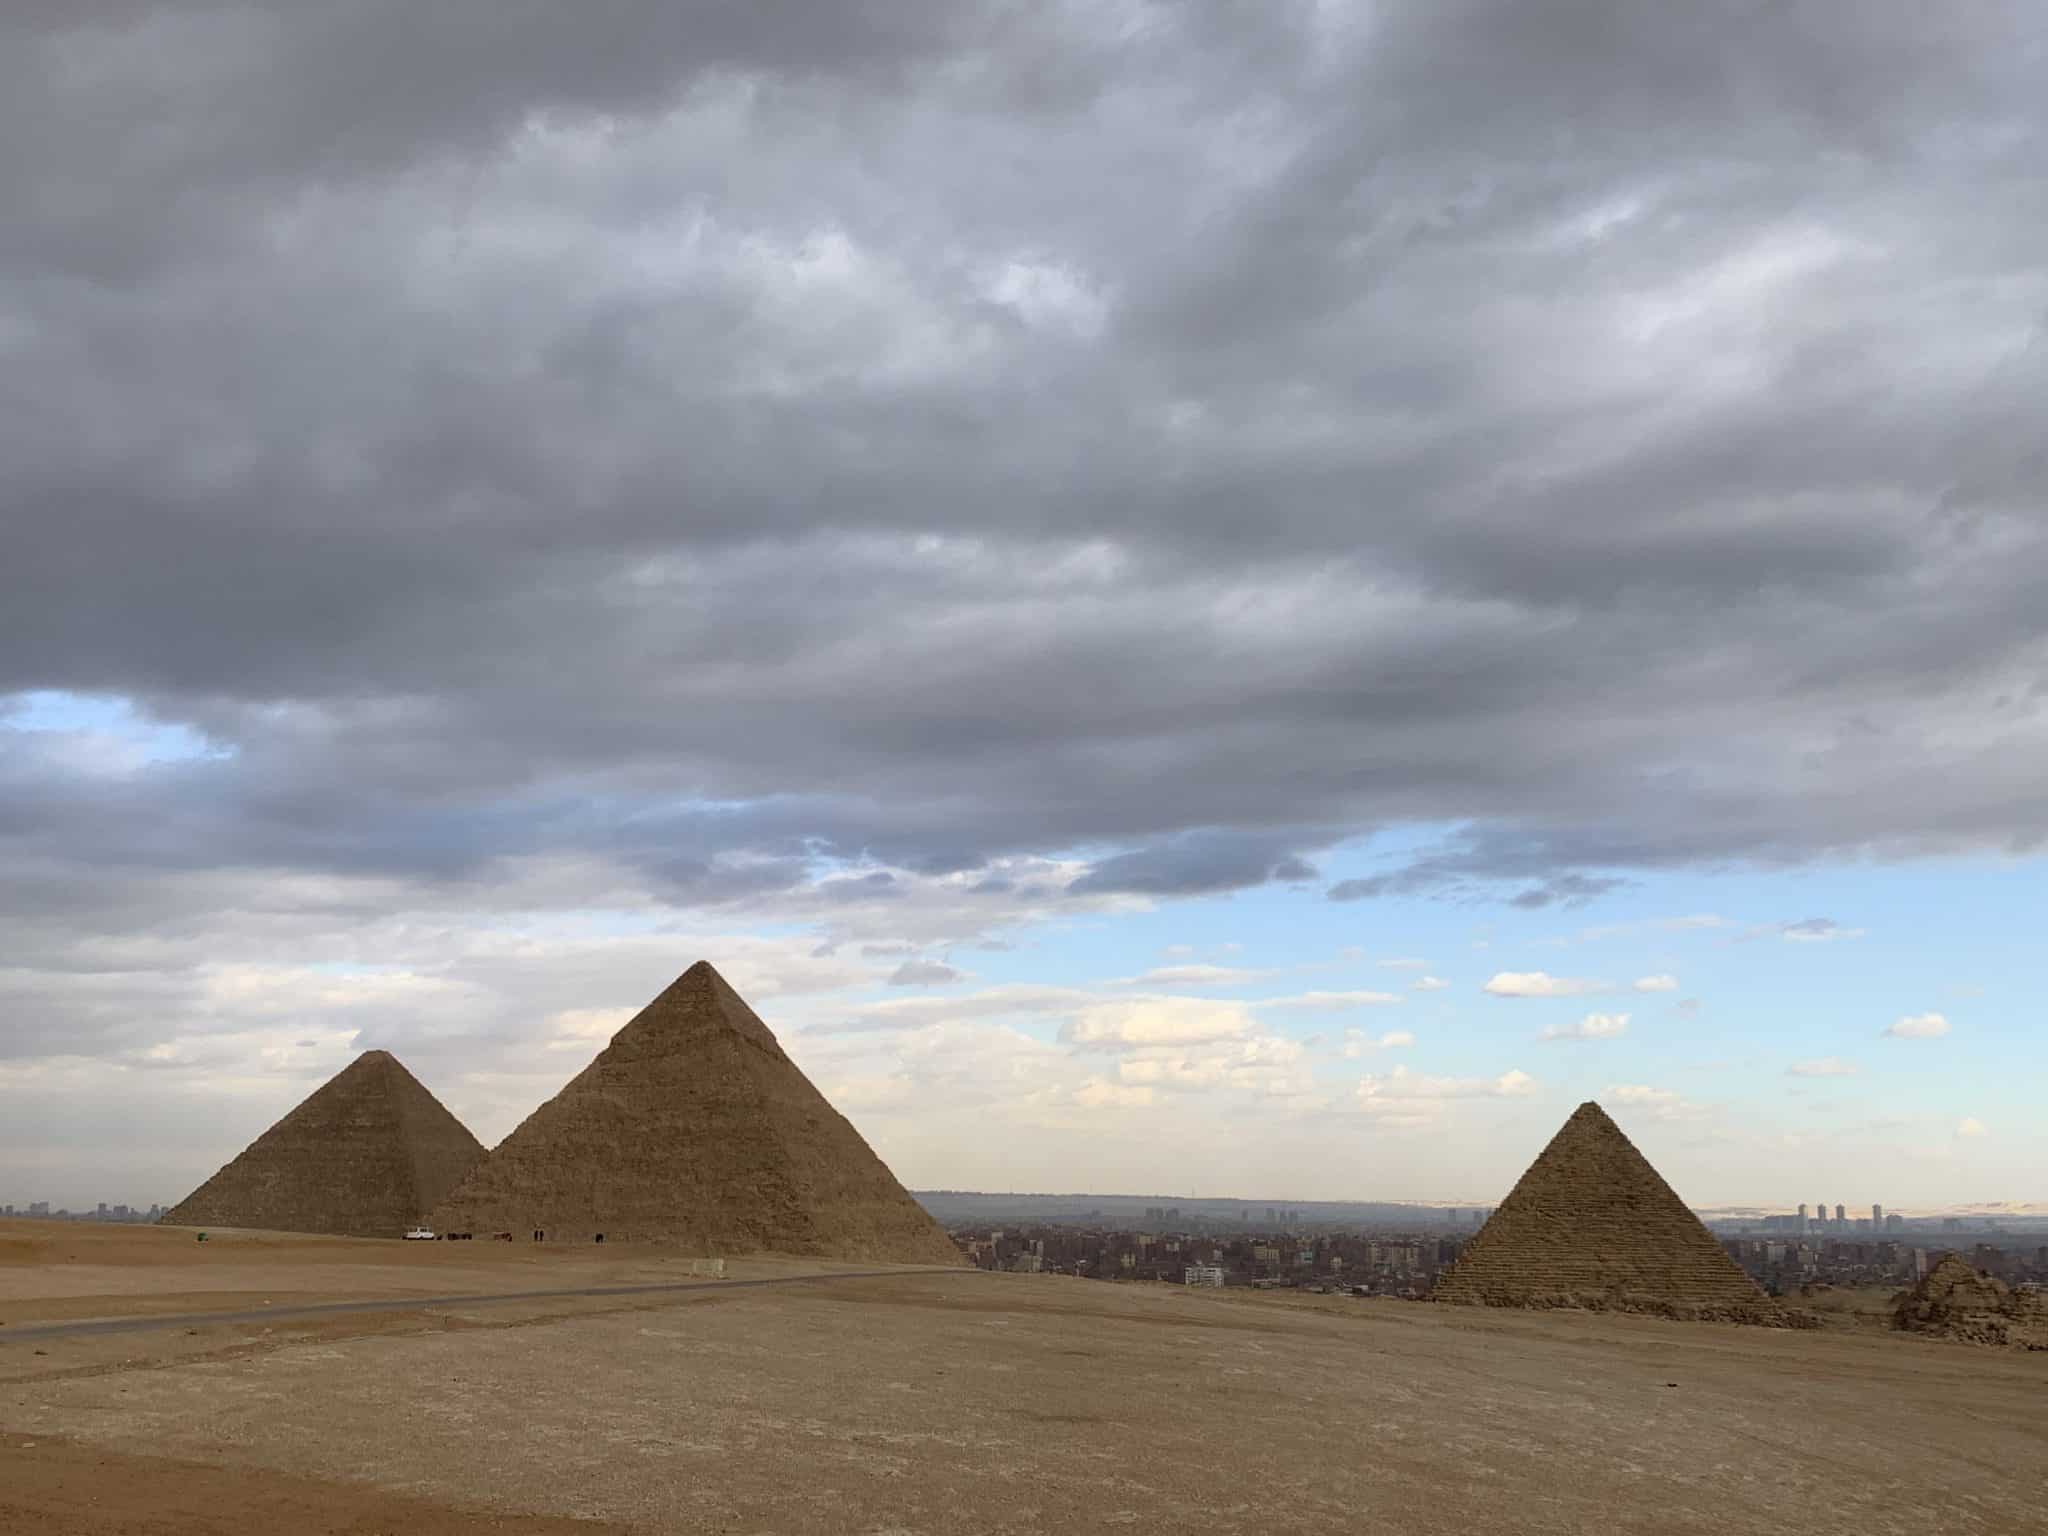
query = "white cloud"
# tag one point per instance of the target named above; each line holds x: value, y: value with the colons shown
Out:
x: 1330, y: 1002
x: 1358, y: 1043
x: 1824, y: 1066
x: 1540, y: 984
x: 1816, y: 930
x: 1402, y: 1087
x: 1157, y: 1021
x: 1658, y: 983
x: 1189, y: 976
x: 587, y: 1029
x: 1971, y: 1127
x: 1918, y: 1026
x: 1264, y: 1064
x: 1404, y: 963
x: 1657, y: 1103
x: 1177, y: 952
x: 1641, y: 1093
x: 1430, y: 984
x: 896, y: 1091
x: 992, y: 1003
x: 1101, y: 1093
x: 1594, y: 1026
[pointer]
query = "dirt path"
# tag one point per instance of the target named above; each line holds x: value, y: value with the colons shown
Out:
x: 146, y: 1322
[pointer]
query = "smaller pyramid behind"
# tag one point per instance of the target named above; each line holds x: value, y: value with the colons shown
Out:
x: 693, y: 1127
x: 367, y: 1154
x: 1592, y: 1224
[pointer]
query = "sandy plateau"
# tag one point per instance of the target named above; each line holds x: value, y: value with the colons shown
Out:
x: 940, y: 1401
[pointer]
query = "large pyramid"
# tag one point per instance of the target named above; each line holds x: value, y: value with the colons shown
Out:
x: 366, y: 1155
x: 693, y: 1127
x: 1592, y: 1224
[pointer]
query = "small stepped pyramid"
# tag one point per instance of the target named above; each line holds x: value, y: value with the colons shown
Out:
x: 365, y: 1155
x: 1960, y: 1301
x: 1592, y: 1224
x: 693, y: 1127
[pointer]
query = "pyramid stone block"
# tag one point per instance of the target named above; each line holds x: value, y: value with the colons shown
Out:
x: 1592, y: 1224
x: 693, y: 1127
x: 1960, y: 1301
x: 367, y: 1154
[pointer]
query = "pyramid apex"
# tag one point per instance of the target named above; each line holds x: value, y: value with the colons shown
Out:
x: 701, y: 976
x: 361, y: 1155
x: 694, y: 1126
x: 366, y: 1061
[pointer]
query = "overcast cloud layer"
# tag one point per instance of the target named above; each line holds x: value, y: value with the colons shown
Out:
x: 894, y: 474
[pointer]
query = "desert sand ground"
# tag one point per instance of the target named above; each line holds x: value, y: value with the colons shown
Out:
x: 944, y: 1401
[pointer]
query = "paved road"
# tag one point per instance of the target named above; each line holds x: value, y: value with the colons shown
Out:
x: 38, y: 1331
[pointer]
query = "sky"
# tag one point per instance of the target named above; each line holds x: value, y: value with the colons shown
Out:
x: 1230, y: 599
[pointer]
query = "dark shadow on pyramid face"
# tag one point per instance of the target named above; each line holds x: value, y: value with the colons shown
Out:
x: 694, y: 1127
x: 366, y: 1154
x: 1593, y: 1224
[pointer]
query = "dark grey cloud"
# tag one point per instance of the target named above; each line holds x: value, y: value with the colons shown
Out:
x: 923, y: 973
x: 827, y: 460
x: 1200, y: 862
x: 1568, y: 890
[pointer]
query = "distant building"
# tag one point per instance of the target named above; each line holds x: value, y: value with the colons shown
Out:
x: 1841, y: 1215
x: 1802, y: 1216
x: 1877, y: 1215
x: 1203, y: 1274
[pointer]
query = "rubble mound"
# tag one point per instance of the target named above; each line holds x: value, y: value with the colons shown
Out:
x: 1592, y: 1225
x: 365, y: 1155
x: 693, y: 1127
x: 1958, y: 1301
